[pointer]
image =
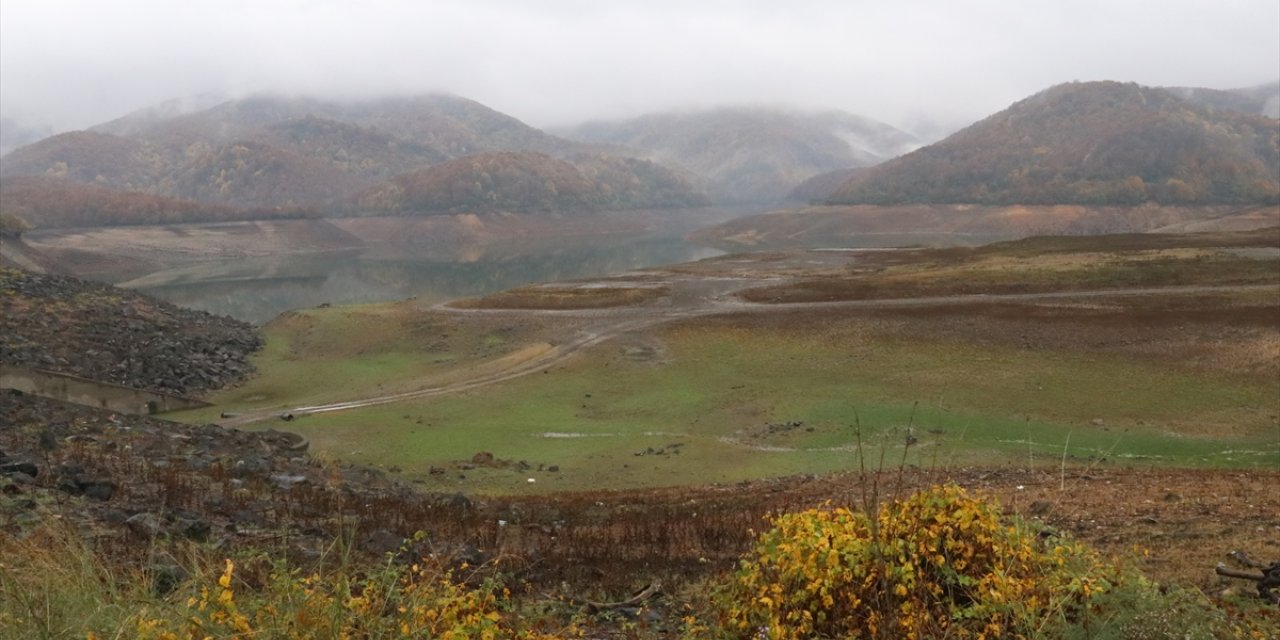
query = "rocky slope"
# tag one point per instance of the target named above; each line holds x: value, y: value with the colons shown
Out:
x: 141, y: 480
x: 104, y: 333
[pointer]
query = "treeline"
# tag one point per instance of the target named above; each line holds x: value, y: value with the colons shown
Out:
x: 1088, y: 143
x: 529, y: 182
x: 46, y: 202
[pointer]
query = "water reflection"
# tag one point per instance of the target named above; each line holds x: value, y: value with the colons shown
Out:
x: 258, y: 289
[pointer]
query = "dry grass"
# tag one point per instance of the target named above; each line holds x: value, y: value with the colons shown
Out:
x: 566, y: 297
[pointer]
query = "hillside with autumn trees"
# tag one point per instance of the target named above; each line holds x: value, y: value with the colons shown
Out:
x: 529, y: 181
x: 267, y: 155
x: 50, y: 202
x: 1088, y: 143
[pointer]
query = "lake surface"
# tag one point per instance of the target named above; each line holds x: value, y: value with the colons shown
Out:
x: 258, y: 289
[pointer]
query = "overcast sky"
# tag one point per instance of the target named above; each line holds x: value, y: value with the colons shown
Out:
x: 74, y: 64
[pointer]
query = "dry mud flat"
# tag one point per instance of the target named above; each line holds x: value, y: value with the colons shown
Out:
x: 961, y: 224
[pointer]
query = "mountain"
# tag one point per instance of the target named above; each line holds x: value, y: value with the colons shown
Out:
x: 270, y: 152
x: 530, y: 181
x: 86, y: 157
x: 1088, y: 143
x: 51, y: 202
x: 15, y: 133
x: 752, y: 154
x: 451, y: 125
x: 820, y: 187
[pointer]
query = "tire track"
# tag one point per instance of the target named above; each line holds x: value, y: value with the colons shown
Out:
x: 634, y: 318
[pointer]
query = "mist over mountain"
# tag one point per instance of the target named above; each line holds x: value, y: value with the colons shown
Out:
x: 15, y: 133
x: 1262, y: 100
x: 277, y: 152
x: 747, y: 154
x: 1076, y: 143
x: 820, y: 187
x: 1088, y: 143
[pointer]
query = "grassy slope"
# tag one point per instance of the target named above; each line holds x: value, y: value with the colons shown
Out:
x: 728, y: 379
x: 1167, y: 380
x: 344, y: 353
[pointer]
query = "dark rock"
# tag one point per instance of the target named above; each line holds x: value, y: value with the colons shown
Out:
x: 197, y: 463
x: 470, y: 555
x: 145, y: 524
x: 248, y: 466
x: 114, y: 516
x: 20, y: 466
x: 166, y: 578
x: 97, y: 488
x: 483, y: 457
x: 70, y: 470
x: 457, y: 501
x: 195, y: 529
x: 381, y: 542
x: 248, y: 517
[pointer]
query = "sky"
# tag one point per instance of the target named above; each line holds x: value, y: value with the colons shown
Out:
x: 912, y: 63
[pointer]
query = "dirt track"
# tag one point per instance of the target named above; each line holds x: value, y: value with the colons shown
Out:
x: 605, y: 324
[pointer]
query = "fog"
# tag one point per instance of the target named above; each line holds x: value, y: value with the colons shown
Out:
x: 914, y: 63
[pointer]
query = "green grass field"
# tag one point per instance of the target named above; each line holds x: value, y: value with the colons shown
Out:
x: 702, y: 413
x: 344, y: 353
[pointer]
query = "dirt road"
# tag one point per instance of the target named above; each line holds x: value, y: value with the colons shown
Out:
x: 606, y: 324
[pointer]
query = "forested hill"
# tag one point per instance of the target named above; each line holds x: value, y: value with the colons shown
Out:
x: 745, y: 154
x: 530, y: 181
x: 49, y: 202
x: 271, y: 153
x: 1260, y: 100
x: 1088, y: 143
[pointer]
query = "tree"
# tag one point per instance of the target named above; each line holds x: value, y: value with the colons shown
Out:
x: 13, y: 226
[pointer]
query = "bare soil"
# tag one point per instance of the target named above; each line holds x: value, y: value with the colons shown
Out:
x: 902, y: 225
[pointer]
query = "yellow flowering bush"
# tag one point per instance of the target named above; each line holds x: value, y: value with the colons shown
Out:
x: 422, y: 601
x: 938, y: 564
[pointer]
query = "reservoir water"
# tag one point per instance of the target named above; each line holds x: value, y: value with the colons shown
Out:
x: 257, y: 289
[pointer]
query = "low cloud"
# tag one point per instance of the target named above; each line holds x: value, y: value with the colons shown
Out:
x: 74, y: 64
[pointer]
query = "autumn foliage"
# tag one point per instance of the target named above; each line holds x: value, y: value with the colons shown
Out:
x: 1088, y: 143
x: 47, y: 202
x: 938, y: 564
x: 530, y: 181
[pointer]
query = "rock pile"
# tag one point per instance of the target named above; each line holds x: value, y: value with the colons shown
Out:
x: 101, y: 332
x: 139, y: 478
